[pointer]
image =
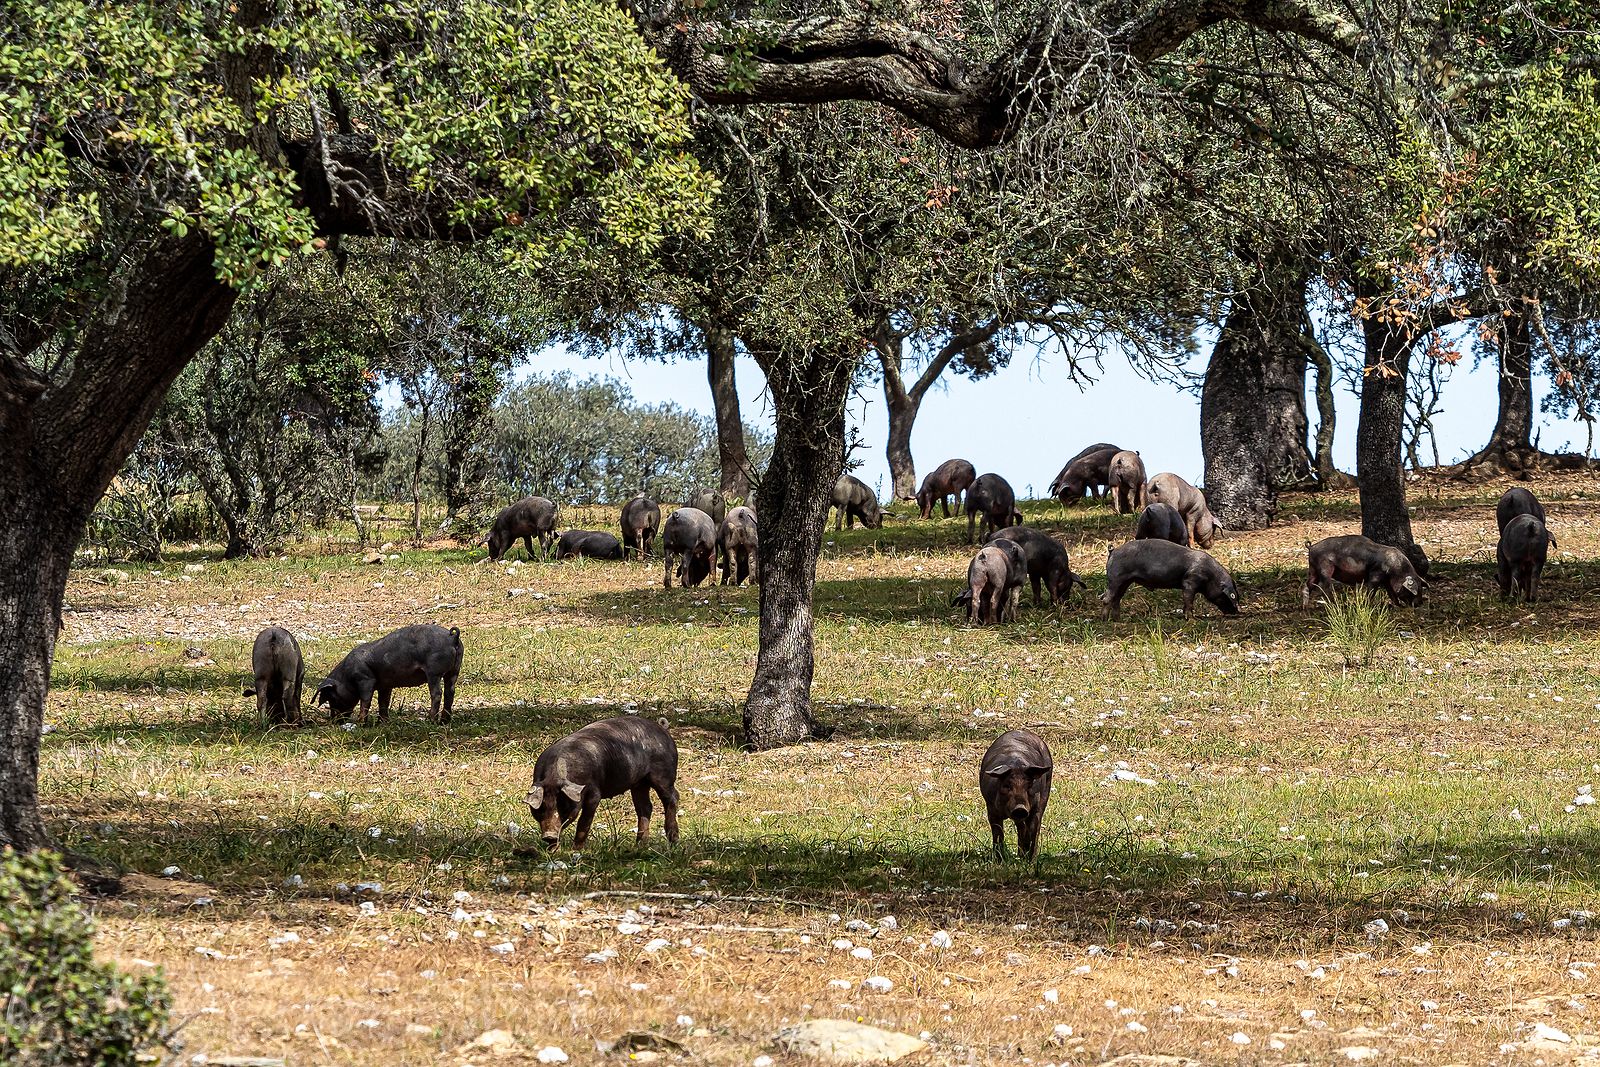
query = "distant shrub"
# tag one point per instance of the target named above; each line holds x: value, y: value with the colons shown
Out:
x: 60, y: 1006
x: 1358, y: 625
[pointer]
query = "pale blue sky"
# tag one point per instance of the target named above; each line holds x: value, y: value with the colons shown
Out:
x: 1024, y: 421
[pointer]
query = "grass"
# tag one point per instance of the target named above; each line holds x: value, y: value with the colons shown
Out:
x: 1303, y: 787
x: 1359, y: 625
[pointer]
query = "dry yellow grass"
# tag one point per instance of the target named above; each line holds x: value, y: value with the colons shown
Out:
x: 1296, y: 801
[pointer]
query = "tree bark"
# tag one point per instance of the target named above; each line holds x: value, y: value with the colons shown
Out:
x: 1327, y: 415
x: 1510, y: 446
x: 1252, y: 408
x: 731, y: 454
x: 60, y: 446
x: 1384, y: 515
x: 809, y: 393
x: 902, y: 468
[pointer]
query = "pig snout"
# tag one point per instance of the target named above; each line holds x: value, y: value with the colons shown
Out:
x: 1020, y: 811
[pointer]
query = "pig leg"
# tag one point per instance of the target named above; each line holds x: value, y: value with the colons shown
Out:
x: 585, y: 818
x: 383, y: 704
x: 449, y: 697
x: 1503, y: 577
x: 944, y: 502
x: 1188, y: 601
x: 666, y: 575
x: 669, y: 809
x: 528, y: 541
x: 1533, y: 582
x: 972, y: 517
x: 641, y: 808
x: 294, y: 697
x: 435, y: 699
x: 838, y: 521
x: 997, y: 830
x: 262, y: 713
x: 366, y: 706
x: 1027, y: 837
x: 1034, y: 578
x: 1113, y: 598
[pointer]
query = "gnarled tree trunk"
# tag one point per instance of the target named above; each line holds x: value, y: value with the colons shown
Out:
x: 60, y: 446
x: 902, y: 468
x: 808, y: 392
x: 905, y: 401
x: 1253, y: 409
x: 1384, y: 515
x: 734, y: 460
x: 1510, y: 446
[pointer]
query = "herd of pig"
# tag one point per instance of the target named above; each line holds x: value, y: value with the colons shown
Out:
x: 629, y: 754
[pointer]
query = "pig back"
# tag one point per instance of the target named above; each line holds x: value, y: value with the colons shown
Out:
x: 613, y: 755
x: 688, y: 529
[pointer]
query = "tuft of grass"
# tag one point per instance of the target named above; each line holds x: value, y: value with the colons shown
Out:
x: 1359, y: 624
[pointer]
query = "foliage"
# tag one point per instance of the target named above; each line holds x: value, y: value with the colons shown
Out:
x: 575, y: 441
x: 148, y: 94
x: 151, y: 502
x: 61, y: 1006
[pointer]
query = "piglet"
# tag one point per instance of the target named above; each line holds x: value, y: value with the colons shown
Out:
x: 279, y: 673
x: 425, y: 654
x: 1158, y: 564
x: 1520, y: 556
x: 1015, y: 783
x: 603, y: 760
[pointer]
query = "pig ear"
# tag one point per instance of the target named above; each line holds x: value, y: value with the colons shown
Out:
x: 535, y: 797
x: 324, y: 694
x: 572, y: 790
x: 1035, y: 772
x: 1410, y: 583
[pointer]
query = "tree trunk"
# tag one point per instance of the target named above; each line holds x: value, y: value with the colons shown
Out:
x: 1327, y: 415
x: 1252, y: 408
x: 1384, y: 515
x: 1511, y: 444
x: 60, y: 446
x: 902, y: 469
x: 809, y: 394
x: 731, y: 454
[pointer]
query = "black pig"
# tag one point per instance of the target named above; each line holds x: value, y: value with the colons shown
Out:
x: 994, y: 578
x: 1046, y: 559
x: 1162, y: 522
x: 1015, y: 782
x: 1520, y: 555
x: 710, y: 501
x: 738, y: 542
x: 1355, y: 560
x: 992, y: 497
x: 641, y: 517
x: 603, y: 760
x: 426, y: 654
x: 689, y: 533
x: 1070, y: 484
x: 855, y: 500
x: 528, y: 518
x: 591, y: 544
x: 950, y: 478
x: 1189, y: 502
x: 279, y: 673
x: 1517, y: 501
x: 1157, y: 564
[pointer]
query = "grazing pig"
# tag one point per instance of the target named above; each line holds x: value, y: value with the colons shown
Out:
x: 528, y: 518
x: 1046, y: 562
x: 1061, y: 478
x: 1162, y: 522
x: 855, y: 500
x: 592, y: 544
x: 710, y: 501
x: 425, y: 654
x: 950, y: 478
x: 641, y: 517
x: 603, y: 760
x: 994, y: 578
x: 991, y: 496
x: 690, y: 534
x: 1088, y: 471
x: 1125, y: 482
x: 279, y: 673
x: 1015, y: 782
x: 1521, y: 554
x: 1517, y: 501
x: 1189, y: 502
x: 1355, y: 560
x: 738, y: 541
x: 1157, y: 564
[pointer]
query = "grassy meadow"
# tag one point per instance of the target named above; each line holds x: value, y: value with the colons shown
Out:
x: 1308, y: 858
